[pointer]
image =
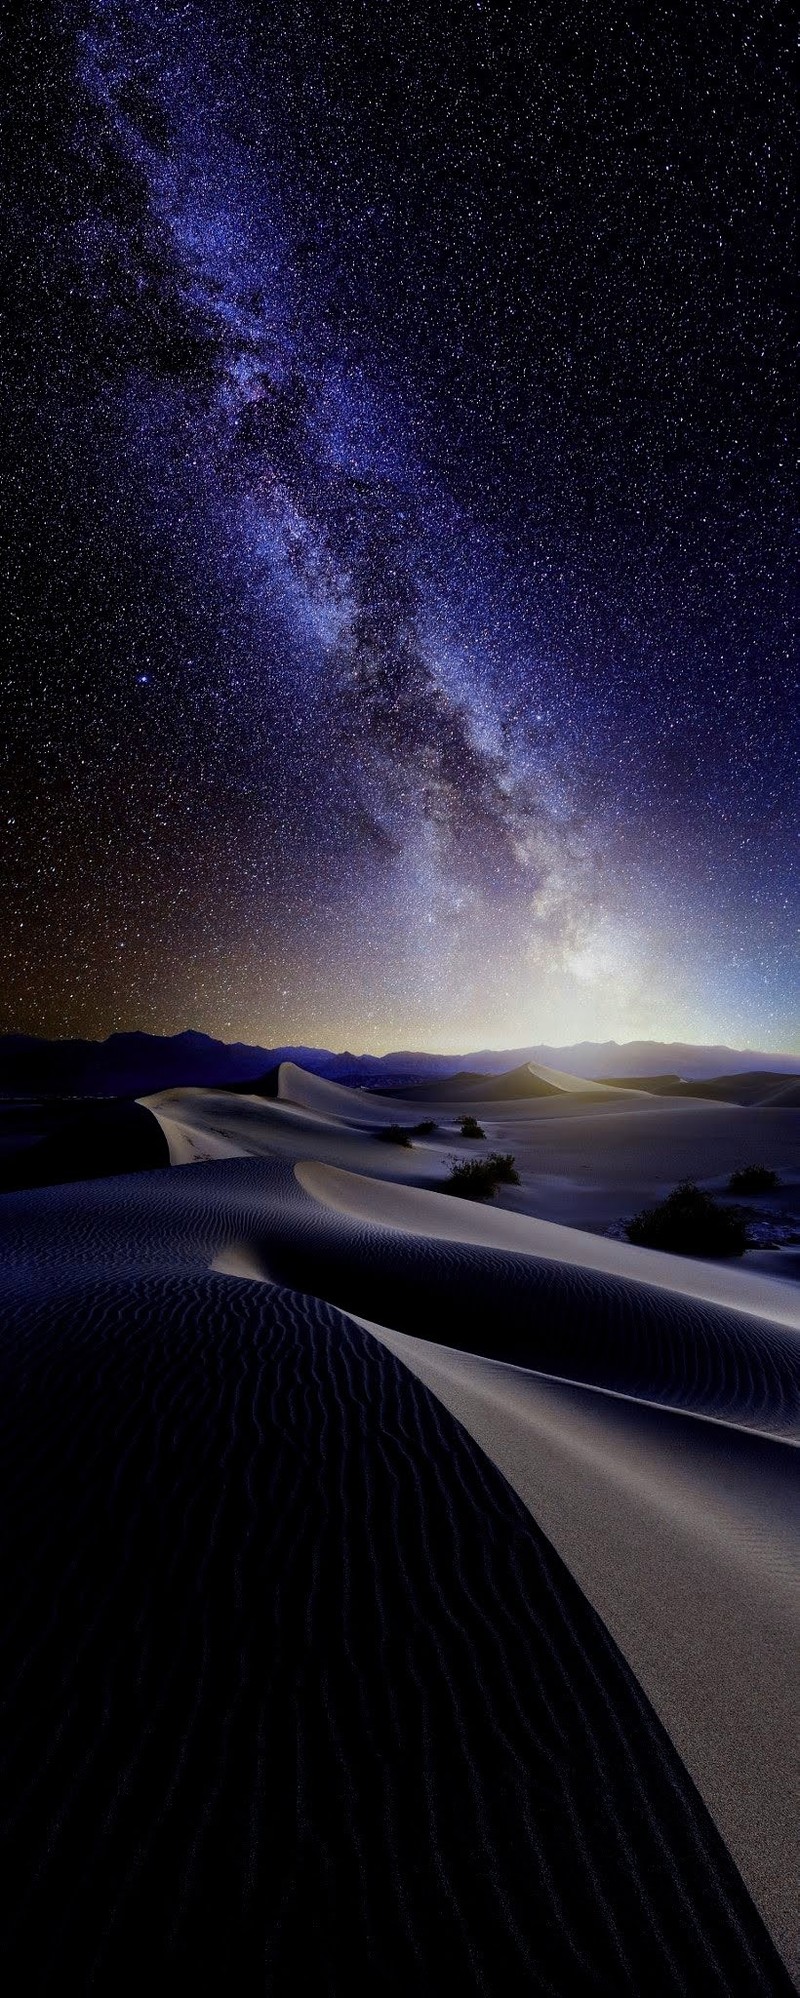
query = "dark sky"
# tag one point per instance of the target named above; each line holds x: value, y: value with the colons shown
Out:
x: 397, y: 523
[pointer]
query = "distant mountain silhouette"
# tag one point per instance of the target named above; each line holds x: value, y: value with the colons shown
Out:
x: 136, y: 1064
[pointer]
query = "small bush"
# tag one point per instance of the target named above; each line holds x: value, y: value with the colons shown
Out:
x: 504, y: 1169
x: 690, y: 1223
x: 753, y: 1179
x: 478, y: 1179
x: 424, y: 1129
x: 470, y: 1128
x: 394, y: 1134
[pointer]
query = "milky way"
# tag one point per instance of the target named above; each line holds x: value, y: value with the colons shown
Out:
x: 398, y: 524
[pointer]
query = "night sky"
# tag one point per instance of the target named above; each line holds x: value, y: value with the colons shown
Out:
x: 396, y: 523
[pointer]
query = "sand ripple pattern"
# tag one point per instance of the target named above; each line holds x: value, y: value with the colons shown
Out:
x: 296, y: 1692
x: 554, y: 1317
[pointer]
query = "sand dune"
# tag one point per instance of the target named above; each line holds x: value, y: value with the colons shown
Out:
x: 748, y: 1087
x: 350, y: 1653
x: 531, y: 1080
x: 333, y: 1099
x: 190, y: 1146
x: 537, y: 1312
x: 523, y: 1083
x: 570, y: 1085
x: 320, y: 1704
x: 415, y: 1211
x: 685, y: 1536
x: 590, y: 1167
x: 582, y: 1164
x: 252, y: 1126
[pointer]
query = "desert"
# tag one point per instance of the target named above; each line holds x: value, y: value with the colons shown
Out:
x: 404, y: 1585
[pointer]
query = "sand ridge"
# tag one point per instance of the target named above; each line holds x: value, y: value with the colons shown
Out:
x: 581, y: 1164
x: 685, y: 1536
x: 416, y: 1211
x: 336, y: 1715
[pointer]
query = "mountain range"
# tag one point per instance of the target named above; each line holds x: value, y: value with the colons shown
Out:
x: 134, y: 1064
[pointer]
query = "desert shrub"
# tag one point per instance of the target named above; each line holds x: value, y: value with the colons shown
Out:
x: 753, y: 1179
x: 503, y: 1167
x: 424, y: 1129
x: 393, y: 1134
x: 690, y: 1223
x: 478, y: 1179
x: 470, y: 1128
x: 473, y: 1179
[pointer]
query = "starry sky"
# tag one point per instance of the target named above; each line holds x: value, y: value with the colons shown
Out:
x: 396, y: 523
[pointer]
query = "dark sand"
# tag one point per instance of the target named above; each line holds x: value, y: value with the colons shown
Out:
x: 298, y: 1693
x: 45, y: 1144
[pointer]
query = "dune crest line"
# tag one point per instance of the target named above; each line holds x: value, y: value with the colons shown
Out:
x: 420, y: 1211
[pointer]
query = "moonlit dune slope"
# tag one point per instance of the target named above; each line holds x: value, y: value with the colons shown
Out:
x: 582, y: 1163
x: 570, y: 1085
x: 351, y: 1652
x: 685, y: 1536
x: 415, y: 1211
x: 320, y: 1703
x: 251, y: 1127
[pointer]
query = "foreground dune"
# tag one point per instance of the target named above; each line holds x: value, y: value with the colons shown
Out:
x: 320, y: 1703
x: 685, y: 1536
x: 357, y: 1650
